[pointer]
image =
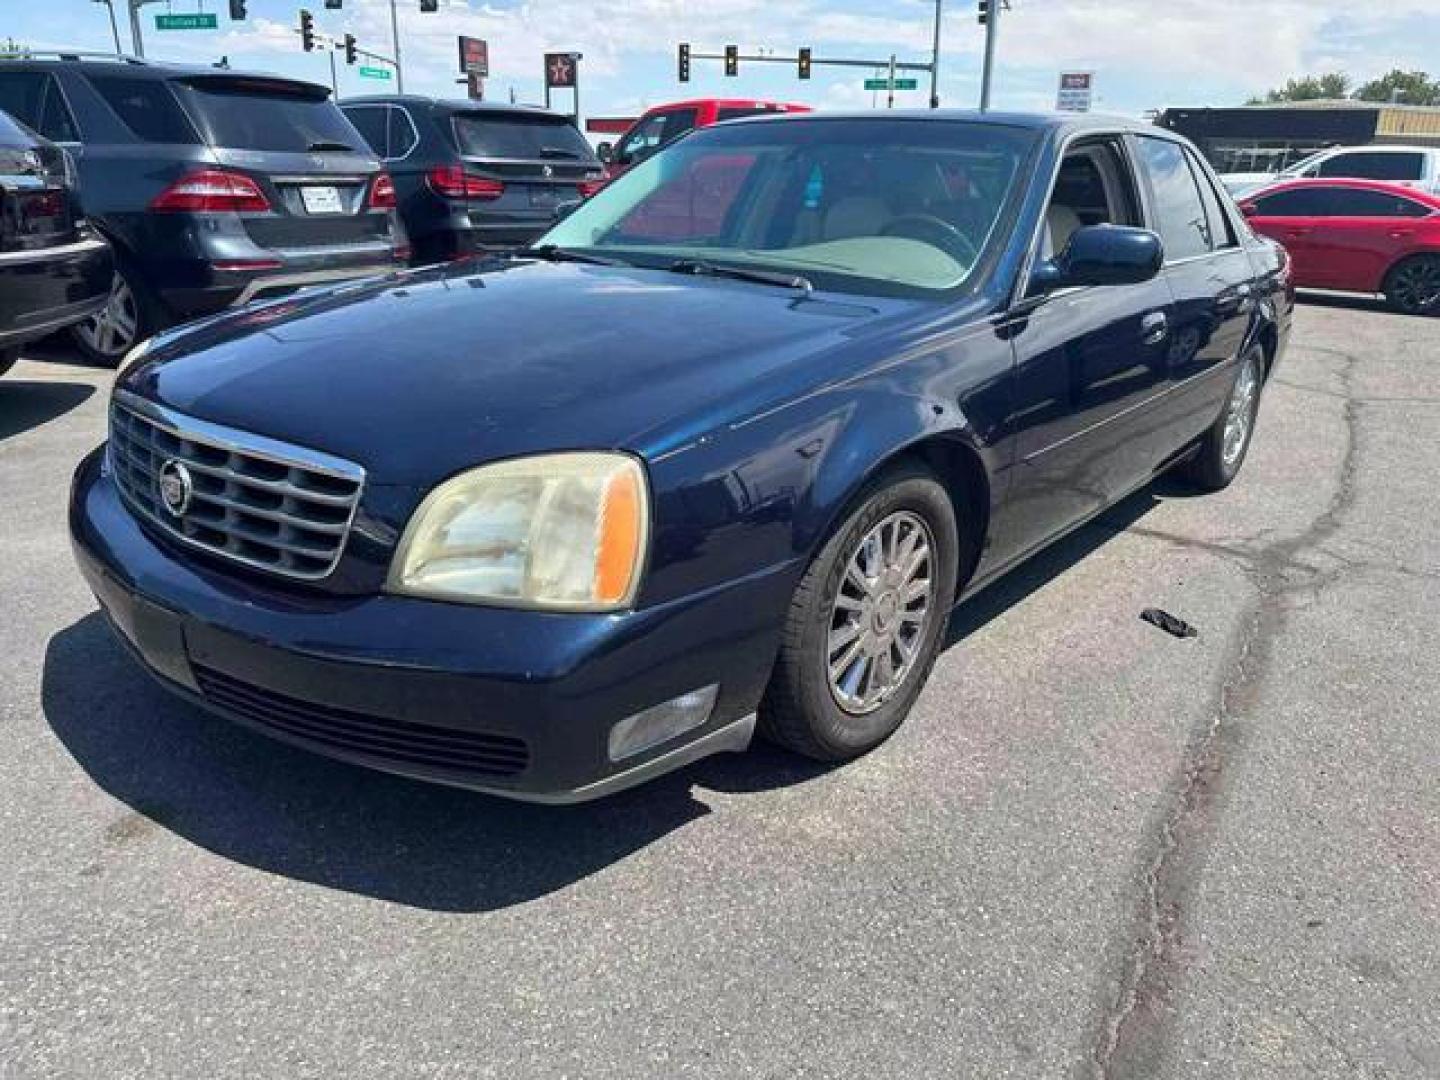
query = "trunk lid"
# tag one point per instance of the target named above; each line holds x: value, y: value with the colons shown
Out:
x: 541, y: 158
x: 296, y: 144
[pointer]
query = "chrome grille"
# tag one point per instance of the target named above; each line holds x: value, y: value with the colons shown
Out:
x: 269, y: 505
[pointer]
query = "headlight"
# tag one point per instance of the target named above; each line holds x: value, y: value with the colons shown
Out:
x: 134, y: 356
x: 566, y: 532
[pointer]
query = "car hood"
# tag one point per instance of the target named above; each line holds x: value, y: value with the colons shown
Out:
x: 418, y: 376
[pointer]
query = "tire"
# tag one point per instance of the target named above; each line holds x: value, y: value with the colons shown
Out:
x: 1223, y: 448
x: 8, y: 357
x: 1412, y: 286
x: 801, y: 708
x: 129, y: 317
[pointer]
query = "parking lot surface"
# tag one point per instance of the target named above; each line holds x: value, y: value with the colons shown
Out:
x: 1094, y: 849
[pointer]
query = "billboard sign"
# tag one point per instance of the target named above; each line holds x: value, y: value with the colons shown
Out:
x: 474, y: 57
x: 1076, y: 91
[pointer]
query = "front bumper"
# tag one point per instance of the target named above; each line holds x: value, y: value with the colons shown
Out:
x: 515, y: 703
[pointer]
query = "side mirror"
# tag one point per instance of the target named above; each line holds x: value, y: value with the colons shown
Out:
x: 606, y: 153
x: 565, y: 209
x: 1102, y: 255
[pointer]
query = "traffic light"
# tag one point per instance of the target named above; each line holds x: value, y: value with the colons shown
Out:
x: 684, y: 63
x: 732, y: 60
x: 307, y: 30
x: 984, y: 12
x: 429, y: 6
x: 804, y: 63
x: 237, y: 10
x: 350, y: 54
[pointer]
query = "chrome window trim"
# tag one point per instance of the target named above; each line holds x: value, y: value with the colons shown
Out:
x: 414, y: 131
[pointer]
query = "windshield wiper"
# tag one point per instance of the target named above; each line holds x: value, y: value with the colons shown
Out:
x: 323, y: 145
x: 740, y: 273
x: 553, y: 253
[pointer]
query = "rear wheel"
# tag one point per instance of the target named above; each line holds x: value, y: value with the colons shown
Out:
x: 128, y: 318
x: 1413, y: 286
x: 866, y: 622
x: 1223, y: 448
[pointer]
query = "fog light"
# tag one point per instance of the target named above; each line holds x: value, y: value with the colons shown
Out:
x: 662, y: 722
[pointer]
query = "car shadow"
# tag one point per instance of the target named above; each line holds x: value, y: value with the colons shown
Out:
x: 306, y: 817
x: 26, y: 404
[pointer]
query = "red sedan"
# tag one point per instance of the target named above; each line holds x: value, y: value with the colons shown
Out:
x: 1356, y: 236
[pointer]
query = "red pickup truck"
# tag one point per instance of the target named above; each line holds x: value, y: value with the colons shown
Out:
x: 666, y: 123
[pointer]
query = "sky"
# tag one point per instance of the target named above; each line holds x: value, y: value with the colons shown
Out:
x: 1145, y: 53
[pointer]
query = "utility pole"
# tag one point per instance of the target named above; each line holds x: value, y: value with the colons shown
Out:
x: 114, y: 27
x: 890, y: 94
x: 935, y: 62
x: 992, y: 31
x: 395, y: 34
x: 334, y: 86
x: 135, y: 39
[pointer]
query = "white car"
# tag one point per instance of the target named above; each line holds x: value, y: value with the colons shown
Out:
x: 1417, y: 165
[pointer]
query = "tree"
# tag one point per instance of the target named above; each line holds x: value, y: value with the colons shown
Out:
x: 1327, y: 87
x: 1403, y: 87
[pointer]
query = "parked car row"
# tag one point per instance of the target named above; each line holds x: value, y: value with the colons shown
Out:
x: 718, y: 455
x: 1417, y: 166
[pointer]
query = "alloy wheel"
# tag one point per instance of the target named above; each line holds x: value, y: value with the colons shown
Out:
x: 881, y: 613
x: 1416, y: 285
x: 112, y: 330
x: 1240, y: 413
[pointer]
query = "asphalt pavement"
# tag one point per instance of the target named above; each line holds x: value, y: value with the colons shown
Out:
x: 1095, y: 850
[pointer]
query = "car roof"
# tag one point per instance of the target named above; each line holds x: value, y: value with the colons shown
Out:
x: 1387, y: 187
x: 1381, y: 148
x: 725, y: 103
x: 1064, y: 123
x: 452, y: 105
x: 134, y: 68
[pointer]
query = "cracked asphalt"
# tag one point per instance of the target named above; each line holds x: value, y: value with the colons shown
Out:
x: 1095, y: 851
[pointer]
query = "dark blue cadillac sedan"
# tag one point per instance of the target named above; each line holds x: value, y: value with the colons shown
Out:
x: 718, y: 455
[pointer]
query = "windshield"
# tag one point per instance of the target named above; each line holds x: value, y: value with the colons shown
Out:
x: 492, y: 135
x: 884, y: 206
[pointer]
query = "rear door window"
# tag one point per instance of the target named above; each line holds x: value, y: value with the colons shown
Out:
x: 1179, y: 211
x: 1375, y: 166
x: 1356, y: 202
x: 386, y: 129
x: 147, y: 107
x: 268, y: 114
x: 735, y: 112
x: 34, y: 98
x: 501, y: 136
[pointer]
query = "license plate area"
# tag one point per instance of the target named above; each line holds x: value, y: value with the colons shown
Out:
x: 321, y: 199
x: 548, y: 197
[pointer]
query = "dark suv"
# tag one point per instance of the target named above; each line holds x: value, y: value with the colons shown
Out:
x: 54, y: 268
x: 471, y: 176
x: 213, y: 186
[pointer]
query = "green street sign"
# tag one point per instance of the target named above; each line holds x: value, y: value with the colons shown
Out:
x: 374, y: 73
x: 884, y: 84
x: 199, y: 21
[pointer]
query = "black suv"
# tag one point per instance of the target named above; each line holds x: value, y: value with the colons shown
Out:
x: 213, y: 186
x: 54, y: 268
x: 472, y: 176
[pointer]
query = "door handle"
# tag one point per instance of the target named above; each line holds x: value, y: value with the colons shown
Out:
x: 1154, y: 327
x: 1232, y: 300
x: 1297, y: 234
x: 1401, y: 234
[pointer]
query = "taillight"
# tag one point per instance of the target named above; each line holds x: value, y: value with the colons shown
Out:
x: 211, y: 190
x: 589, y: 187
x: 382, y: 194
x: 453, y: 182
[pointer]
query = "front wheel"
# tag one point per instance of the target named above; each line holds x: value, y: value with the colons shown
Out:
x: 1223, y: 448
x: 1413, y: 287
x: 866, y: 622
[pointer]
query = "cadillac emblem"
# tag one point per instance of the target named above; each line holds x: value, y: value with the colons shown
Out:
x: 175, y: 486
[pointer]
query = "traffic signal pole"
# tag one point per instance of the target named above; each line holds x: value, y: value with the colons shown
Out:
x: 992, y: 30
x: 395, y: 36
